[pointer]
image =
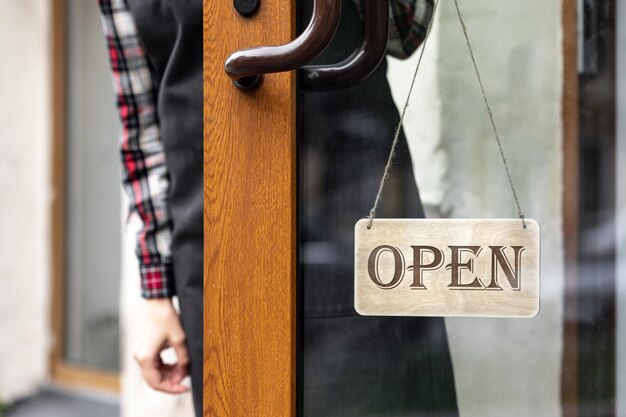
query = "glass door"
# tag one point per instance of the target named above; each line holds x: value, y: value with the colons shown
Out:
x: 290, y: 170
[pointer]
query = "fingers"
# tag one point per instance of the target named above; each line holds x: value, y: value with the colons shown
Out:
x: 164, y: 378
x: 163, y: 329
x: 180, y: 369
x: 180, y: 347
x: 160, y: 376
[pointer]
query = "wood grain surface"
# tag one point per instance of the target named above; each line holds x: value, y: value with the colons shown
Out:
x: 447, y: 267
x: 249, y: 221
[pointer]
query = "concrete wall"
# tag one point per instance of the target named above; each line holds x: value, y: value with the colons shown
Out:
x: 502, y: 366
x: 24, y: 195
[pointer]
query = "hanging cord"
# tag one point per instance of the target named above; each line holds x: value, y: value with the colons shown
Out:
x: 493, y: 124
x: 394, y: 144
x: 372, y: 213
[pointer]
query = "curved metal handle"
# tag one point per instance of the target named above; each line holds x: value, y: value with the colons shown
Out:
x: 246, y: 65
x: 364, y: 61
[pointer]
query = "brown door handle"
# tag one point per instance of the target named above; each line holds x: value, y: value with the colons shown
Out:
x: 246, y: 66
x: 363, y: 62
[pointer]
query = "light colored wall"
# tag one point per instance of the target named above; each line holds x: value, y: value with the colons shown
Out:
x: 422, y: 123
x: 621, y: 208
x: 502, y: 366
x: 24, y: 195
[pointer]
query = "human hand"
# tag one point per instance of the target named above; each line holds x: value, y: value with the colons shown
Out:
x: 163, y: 330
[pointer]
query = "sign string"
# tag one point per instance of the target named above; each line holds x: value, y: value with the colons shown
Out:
x: 394, y: 144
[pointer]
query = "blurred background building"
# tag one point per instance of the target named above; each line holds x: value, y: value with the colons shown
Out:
x: 554, y: 71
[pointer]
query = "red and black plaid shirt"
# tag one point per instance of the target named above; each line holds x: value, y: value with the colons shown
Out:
x: 145, y: 175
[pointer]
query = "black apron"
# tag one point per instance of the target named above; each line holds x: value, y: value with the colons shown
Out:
x: 350, y: 365
x: 171, y: 31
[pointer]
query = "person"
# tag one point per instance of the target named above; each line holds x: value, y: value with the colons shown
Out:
x: 352, y: 365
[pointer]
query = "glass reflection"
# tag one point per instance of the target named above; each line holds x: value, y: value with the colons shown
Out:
x: 353, y: 365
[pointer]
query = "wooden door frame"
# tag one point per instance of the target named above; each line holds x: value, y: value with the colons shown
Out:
x: 63, y: 373
x: 249, y: 220
x: 578, y: 370
x: 570, y: 114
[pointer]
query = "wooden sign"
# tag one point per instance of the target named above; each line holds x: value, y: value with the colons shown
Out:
x: 447, y: 267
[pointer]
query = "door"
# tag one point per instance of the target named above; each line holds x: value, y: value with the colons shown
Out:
x: 289, y: 170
